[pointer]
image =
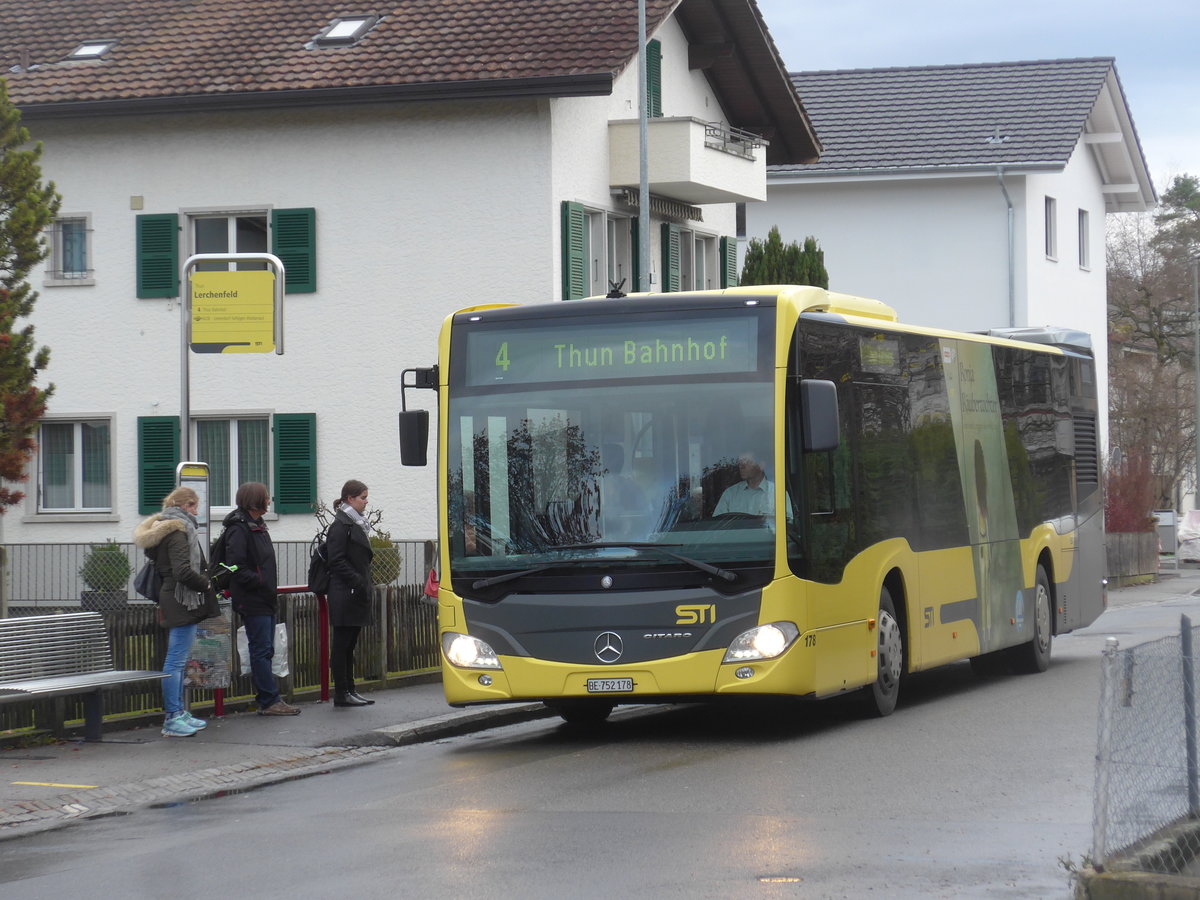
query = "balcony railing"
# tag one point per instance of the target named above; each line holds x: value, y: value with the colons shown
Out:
x: 732, y: 140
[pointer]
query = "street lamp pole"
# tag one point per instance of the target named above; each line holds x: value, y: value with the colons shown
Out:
x: 643, y: 220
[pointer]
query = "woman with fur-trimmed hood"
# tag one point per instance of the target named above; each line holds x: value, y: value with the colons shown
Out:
x: 171, y: 541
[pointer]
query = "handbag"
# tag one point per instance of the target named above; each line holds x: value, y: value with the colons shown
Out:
x: 148, y: 582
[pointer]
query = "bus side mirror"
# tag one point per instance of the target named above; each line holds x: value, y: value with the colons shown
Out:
x: 819, y: 430
x: 414, y: 437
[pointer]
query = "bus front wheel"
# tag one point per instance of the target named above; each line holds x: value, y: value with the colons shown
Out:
x: 581, y: 712
x: 1034, y: 655
x: 882, y: 695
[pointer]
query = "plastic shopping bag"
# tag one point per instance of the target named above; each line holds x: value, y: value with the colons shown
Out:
x: 279, y: 662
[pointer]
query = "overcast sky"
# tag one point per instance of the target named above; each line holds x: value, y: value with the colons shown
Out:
x: 1156, y: 44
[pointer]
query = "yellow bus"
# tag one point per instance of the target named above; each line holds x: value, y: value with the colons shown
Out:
x: 754, y: 491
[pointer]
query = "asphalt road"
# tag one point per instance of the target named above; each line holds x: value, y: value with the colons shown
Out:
x: 974, y: 788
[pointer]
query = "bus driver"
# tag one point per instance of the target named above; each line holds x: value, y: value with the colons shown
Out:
x: 754, y: 495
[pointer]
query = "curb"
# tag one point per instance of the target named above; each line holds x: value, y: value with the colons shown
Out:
x: 451, y: 725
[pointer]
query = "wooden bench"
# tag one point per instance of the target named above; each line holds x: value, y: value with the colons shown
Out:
x: 61, y: 655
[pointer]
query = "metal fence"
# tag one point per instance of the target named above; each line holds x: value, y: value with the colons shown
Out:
x: 1147, y: 793
x: 49, y: 576
x: 401, y: 641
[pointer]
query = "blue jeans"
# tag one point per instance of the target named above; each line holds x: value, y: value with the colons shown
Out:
x: 260, y: 636
x: 179, y: 645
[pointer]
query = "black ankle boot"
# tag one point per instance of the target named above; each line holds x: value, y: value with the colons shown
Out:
x: 357, y: 696
x: 348, y: 699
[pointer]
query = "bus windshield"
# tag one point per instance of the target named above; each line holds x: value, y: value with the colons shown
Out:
x: 590, y: 473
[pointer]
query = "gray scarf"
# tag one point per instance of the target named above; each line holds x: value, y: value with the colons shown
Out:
x: 356, y: 518
x: 185, y: 596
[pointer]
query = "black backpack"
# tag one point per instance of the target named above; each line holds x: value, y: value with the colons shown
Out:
x: 219, y: 573
x: 318, y: 564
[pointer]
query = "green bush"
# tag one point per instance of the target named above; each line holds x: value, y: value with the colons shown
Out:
x: 385, y: 564
x: 106, y: 568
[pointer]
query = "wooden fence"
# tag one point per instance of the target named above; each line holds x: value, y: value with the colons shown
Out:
x: 1132, y: 555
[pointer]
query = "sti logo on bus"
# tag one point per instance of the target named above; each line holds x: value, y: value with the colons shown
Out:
x: 695, y: 614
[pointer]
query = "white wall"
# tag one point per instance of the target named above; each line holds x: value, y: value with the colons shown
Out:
x: 934, y: 249
x: 1060, y: 291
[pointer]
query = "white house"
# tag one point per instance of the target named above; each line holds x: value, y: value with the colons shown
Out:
x: 970, y: 196
x: 404, y: 163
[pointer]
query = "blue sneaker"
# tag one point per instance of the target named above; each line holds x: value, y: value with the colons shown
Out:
x: 198, y: 724
x: 177, y: 726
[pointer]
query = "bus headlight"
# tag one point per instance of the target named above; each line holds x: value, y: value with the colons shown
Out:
x: 762, y: 642
x: 467, y: 652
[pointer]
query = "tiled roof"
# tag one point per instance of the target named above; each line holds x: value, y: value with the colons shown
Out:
x: 181, y: 48
x: 213, y: 54
x: 949, y: 117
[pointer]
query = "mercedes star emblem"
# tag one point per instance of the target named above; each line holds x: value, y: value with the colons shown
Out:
x: 608, y: 647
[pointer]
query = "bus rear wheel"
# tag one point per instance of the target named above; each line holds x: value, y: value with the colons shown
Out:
x: 1034, y: 655
x: 881, y: 696
x: 581, y: 712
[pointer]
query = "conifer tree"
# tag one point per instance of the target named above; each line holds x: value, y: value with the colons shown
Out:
x: 27, y: 208
x: 770, y: 262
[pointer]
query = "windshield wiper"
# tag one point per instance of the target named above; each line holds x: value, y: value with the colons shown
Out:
x: 507, y: 576
x: 659, y: 548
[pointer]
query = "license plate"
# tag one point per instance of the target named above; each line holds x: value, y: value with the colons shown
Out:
x: 609, y: 685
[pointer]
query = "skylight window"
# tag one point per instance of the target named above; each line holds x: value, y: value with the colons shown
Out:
x: 345, y: 30
x: 91, y: 49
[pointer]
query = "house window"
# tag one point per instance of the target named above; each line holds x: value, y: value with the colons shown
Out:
x: 237, y: 233
x: 690, y: 261
x: 237, y: 451
x: 75, y: 466
x: 280, y: 451
x: 598, y: 250
x: 91, y: 50
x: 345, y: 31
x: 70, y: 251
x: 1051, y: 228
x: 1085, y: 258
x: 621, y: 254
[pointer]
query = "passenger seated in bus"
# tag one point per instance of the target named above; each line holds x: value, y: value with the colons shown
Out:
x: 754, y: 495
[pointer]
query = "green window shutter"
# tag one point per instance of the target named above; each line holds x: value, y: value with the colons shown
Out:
x: 653, y: 79
x: 294, y: 240
x: 574, y: 251
x: 670, y: 257
x: 295, y: 462
x: 158, y: 257
x: 728, y: 262
x: 158, y: 456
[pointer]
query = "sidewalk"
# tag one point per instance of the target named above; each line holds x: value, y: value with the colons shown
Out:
x: 43, y: 787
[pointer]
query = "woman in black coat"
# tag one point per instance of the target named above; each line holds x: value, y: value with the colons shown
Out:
x: 350, y: 594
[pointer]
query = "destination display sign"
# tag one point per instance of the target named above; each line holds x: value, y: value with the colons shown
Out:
x: 592, y: 350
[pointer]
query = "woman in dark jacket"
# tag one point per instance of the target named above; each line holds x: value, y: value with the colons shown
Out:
x: 252, y: 591
x: 171, y: 540
x: 350, y: 593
